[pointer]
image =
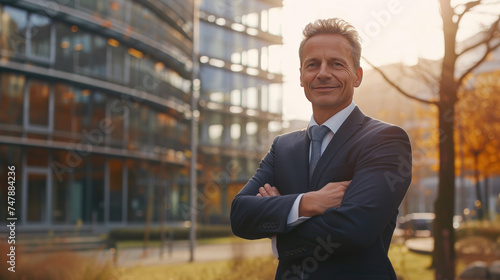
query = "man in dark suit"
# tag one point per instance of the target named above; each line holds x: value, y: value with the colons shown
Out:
x: 328, y: 196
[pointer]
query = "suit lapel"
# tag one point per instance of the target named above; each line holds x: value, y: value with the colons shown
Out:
x: 301, y: 161
x: 352, y: 124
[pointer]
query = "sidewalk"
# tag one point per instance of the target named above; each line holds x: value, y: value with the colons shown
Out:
x: 422, y: 245
x: 180, y: 253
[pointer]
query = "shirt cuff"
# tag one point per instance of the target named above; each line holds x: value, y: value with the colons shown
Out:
x: 293, y: 216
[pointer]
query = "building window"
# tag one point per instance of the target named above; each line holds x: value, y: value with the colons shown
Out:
x: 252, y: 98
x: 37, y: 179
x: 115, y: 190
x: 236, y: 133
x: 138, y: 179
x: 90, y: 51
x: 66, y: 98
x: 252, y: 137
x: 117, y: 112
x: 95, y: 190
x: 13, y: 24
x: 11, y: 98
x: 38, y: 103
x: 37, y: 193
x: 62, y: 199
x: 40, y: 37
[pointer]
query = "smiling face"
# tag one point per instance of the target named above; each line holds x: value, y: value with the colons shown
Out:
x: 328, y: 75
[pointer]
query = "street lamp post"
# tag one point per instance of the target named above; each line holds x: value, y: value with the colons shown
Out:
x: 195, y: 94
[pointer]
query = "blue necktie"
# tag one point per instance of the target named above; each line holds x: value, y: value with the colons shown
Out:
x: 317, y: 135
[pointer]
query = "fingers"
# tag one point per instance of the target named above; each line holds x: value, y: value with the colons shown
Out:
x: 268, y: 191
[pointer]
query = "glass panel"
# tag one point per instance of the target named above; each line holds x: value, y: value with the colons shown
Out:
x: 66, y: 39
x: 96, y: 189
x: 137, y: 191
x: 13, y: 24
x: 275, y: 20
x: 98, y: 115
x: 38, y: 103
x: 37, y: 157
x: 264, y: 99
x: 274, y: 58
x: 215, y: 133
x: 235, y: 133
x: 252, y: 98
x: 115, y: 189
x: 252, y: 129
x: 11, y: 98
x: 118, y: 110
x: 79, y: 192
x: 91, y: 54
x: 275, y: 93
x: 40, y: 36
x: 117, y: 66
x: 37, y: 191
x: 60, y: 188
x: 64, y: 118
x: 236, y: 97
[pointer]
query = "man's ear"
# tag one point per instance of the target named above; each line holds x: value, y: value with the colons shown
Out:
x: 359, y: 77
x: 300, y: 70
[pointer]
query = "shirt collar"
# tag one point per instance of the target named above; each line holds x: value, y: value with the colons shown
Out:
x: 335, y: 121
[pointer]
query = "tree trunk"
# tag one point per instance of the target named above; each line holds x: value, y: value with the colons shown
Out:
x: 479, y: 198
x: 444, y: 234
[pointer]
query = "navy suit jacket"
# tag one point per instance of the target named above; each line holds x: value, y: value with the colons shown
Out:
x: 347, y: 242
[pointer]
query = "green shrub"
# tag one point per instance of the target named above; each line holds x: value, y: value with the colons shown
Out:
x: 489, y: 230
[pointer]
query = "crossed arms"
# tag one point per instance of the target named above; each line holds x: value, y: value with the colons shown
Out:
x: 353, y: 214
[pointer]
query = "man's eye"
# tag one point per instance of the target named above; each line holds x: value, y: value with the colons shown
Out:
x: 337, y: 64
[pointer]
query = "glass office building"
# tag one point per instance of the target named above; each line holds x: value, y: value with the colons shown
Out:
x: 95, y: 107
x: 240, y: 101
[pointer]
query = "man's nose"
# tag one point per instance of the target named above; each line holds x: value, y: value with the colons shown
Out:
x: 323, y: 72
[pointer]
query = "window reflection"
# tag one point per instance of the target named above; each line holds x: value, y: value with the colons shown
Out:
x: 95, y: 190
x: 40, y: 36
x: 65, y: 108
x: 115, y: 189
x: 62, y: 201
x: 13, y: 24
x: 137, y: 191
x: 38, y: 98
x: 37, y: 193
x: 11, y: 98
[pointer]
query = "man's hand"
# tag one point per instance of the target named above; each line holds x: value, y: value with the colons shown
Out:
x: 317, y: 202
x: 267, y: 191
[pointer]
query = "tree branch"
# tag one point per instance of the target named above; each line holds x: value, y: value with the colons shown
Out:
x: 492, y: 35
x: 468, y: 7
x: 398, y: 88
x: 487, y: 39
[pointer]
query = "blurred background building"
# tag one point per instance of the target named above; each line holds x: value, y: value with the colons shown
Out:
x: 95, y: 107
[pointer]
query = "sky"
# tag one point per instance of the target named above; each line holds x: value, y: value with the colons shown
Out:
x: 391, y: 30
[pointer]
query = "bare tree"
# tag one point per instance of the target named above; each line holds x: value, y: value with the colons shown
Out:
x: 449, y: 84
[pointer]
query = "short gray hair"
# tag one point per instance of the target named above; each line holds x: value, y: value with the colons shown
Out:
x: 334, y: 26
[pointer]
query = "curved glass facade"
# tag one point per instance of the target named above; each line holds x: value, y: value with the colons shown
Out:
x: 95, y: 107
x: 93, y: 103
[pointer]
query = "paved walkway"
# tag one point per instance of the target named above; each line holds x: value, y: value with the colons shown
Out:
x: 180, y: 253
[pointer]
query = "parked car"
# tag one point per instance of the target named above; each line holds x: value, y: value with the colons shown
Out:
x: 420, y: 224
